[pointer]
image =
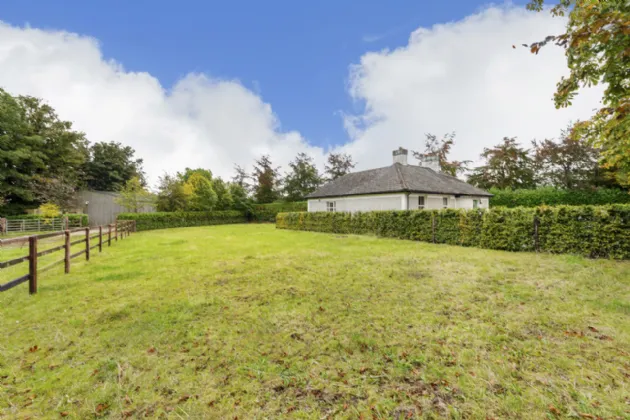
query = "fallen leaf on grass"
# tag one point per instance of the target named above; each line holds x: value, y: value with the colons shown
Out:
x: 605, y: 337
x: 64, y: 414
x: 554, y: 410
x: 593, y: 329
x: 586, y: 416
x: 101, y: 407
x: 151, y: 350
x: 184, y: 398
x: 33, y: 349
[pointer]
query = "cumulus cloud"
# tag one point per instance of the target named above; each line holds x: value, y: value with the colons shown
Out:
x: 200, y: 121
x: 462, y: 76
x: 465, y: 77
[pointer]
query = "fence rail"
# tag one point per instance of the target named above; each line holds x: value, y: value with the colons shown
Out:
x: 119, y: 229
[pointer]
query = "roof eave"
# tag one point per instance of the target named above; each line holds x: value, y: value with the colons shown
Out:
x: 310, y: 197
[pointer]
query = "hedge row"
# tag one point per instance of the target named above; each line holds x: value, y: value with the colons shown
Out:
x: 592, y: 231
x: 268, y: 212
x: 556, y: 197
x: 73, y: 218
x: 163, y: 220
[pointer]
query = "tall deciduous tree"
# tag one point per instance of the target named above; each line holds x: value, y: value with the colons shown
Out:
x: 172, y: 196
x: 21, y: 153
x: 224, y: 197
x: 188, y: 172
x: 570, y: 163
x: 339, y: 164
x: 303, y: 179
x: 441, y: 148
x: 240, y: 200
x: 596, y: 43
x: 66, y: 150
x: 266, y: 181
x: 507, y: 165
x: 134, y: 196
x: 111, y: 165
x: 199, y: 187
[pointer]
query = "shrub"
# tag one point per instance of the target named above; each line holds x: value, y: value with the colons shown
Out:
x: 591, y: 231
x: 268, y: 212
x: 163, y: 220
x: 49, y: 210
x: 555, y: 197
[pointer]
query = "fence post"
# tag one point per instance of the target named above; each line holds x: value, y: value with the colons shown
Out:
x: 66, y: 222
x: 32, y: 265
x: 87, y: 244
x: 3, y: 225
x: 116, y: 230
x: 67, y: 256
x: 134, y: 226
x: 109, y: 235
x: 100, y: 239
x: 536, y: 225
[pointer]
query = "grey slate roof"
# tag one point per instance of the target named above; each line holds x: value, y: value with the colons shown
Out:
x: 396, y: 178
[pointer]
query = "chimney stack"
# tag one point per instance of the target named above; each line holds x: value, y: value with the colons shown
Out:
x: 400, y: 156
x: 431, y: 162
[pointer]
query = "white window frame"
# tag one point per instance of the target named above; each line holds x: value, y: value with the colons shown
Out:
x: 331, y: 206
x: 476, y: 203
x: 424, y: 202
x: 445, y: 202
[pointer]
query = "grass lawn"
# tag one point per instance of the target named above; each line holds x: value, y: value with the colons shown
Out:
x: 250, y: 321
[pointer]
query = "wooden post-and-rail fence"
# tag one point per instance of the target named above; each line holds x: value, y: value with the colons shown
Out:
x: 119, y: 229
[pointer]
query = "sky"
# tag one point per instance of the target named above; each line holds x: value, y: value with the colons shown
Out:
x: 213, y: 84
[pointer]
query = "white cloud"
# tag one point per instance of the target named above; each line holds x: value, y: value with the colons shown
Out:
x: 462, y: 76
x: 465, y: 77
x: 199, y: 122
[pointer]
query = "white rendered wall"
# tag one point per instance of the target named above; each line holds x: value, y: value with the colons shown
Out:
x: 359, y: 203
x: 396, y: 202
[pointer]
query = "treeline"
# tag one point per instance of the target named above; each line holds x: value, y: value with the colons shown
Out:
x: 44, y: 160
x: 569, y: 163
x: 198, y: 190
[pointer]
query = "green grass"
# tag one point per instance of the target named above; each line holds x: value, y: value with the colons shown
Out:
x: 249, y: 321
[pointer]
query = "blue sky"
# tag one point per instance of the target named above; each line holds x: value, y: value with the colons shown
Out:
x: 295, y: 54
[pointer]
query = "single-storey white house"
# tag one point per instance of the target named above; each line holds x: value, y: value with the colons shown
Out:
x: 398, y: 187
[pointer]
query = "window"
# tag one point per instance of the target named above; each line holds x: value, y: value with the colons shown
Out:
x: 445, y: 202
x: 421, y: 202
x: 475, y: 204
x: 331, y: 206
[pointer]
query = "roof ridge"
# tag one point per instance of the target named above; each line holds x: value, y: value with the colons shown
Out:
x: 401, y: 177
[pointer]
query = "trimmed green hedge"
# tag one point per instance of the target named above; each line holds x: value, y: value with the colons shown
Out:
x: 555, y: 197
x: 268, y: 212
x: 163, y: 220
x: 592, y: 231
x: 72, y: 218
